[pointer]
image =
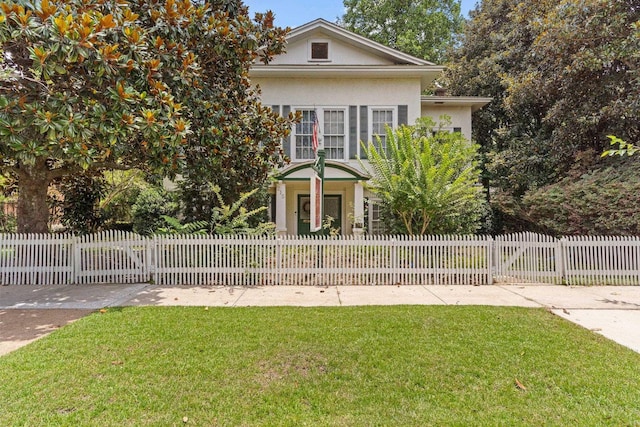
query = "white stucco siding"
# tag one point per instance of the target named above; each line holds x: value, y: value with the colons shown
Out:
x: 342, y: 92
x: 460, y: 117
x: 340, y: 53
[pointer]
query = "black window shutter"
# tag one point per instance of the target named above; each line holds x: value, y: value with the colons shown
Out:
x: 286, y: 109
x: 353, y: 131
x: 403, y: 115
x: 364, y: 128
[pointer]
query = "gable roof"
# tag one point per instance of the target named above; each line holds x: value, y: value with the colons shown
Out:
x: 396, y: 64
x: 356, y: 40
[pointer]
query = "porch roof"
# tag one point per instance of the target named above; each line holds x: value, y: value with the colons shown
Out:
x: 334, y: 171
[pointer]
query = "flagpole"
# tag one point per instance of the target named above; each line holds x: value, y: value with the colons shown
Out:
x: 320, y: 162
x: 318, y: 167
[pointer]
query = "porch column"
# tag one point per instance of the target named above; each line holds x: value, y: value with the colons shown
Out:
x: 358, y: 208
x: 281, y: 208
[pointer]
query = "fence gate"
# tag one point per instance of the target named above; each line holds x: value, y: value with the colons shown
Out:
x: 112, y: 257
x: 527, y: 257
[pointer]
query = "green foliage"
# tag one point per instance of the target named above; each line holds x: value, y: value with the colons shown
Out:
x: 150, y: 208
x: 7, y: 221
x: 162, y: 86
x: 429, y: 183
x: 236, y: 218
x: 602, y: 202
x: 224, y: 219
x: 174, y: 226
x: 120, y: 193
x: 81, y: 203
x: 624, y: 148
x: 199, y: 197
x: 424, y: 28
x: 563, y: 76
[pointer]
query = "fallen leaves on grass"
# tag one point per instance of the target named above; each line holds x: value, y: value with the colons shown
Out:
x: 520, y: 386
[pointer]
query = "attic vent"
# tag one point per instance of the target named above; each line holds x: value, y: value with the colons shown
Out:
x: 320, y: 51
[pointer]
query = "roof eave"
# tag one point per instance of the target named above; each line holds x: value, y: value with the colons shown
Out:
x: 475, y: 102
x: 426, y: 73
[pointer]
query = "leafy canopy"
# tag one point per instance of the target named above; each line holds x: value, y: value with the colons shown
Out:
x: 563, y: 75
x: 424, y: 28
x: 113, y: 84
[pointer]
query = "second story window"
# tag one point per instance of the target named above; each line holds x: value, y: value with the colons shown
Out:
x: 334, y: 134
x: 330, y: 133
x: 304, y: 136
x: 380, y: 119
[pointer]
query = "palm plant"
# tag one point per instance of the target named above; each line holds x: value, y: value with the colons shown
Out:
x: 429, y: 183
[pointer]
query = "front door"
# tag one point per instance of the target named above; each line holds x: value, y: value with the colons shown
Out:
x: 332, y: 208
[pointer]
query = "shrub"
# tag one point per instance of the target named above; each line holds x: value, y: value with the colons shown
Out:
x: 80, y: 204
x: 150, y: 207
x: 605, y: 201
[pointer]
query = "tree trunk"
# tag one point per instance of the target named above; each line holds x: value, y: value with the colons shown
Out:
x: 33, y: 209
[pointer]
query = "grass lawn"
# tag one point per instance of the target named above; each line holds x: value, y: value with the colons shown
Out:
x: 401, y: 365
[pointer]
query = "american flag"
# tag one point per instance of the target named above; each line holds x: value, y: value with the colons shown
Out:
x: 316, y: 126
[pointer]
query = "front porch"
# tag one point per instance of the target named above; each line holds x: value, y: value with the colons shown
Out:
x: 344, y: 198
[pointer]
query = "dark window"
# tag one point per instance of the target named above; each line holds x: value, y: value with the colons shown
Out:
x: 459, y: 130
x: 319, y: 50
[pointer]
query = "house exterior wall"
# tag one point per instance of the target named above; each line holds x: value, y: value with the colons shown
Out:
x: 460, y: 117
x: 341, y: 92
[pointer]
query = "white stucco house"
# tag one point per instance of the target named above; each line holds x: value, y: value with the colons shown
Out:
x: 354, y: 86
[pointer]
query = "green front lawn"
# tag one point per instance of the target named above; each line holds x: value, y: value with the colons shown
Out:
x: 402, y: 365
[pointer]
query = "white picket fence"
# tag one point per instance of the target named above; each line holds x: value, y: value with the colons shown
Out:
x: 119, y: 257
x: 346, y: 260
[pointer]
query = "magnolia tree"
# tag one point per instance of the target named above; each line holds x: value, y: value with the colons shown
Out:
x: 90, y: 85
x: 428, y: 182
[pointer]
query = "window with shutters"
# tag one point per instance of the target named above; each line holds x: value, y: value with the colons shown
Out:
x: 380, y: 119
x: 334, y: 134
x: 304, y: 136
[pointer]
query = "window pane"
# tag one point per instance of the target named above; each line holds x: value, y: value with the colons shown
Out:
x: 380, y: 119
x: 304, y: 136
x: 334, y: 134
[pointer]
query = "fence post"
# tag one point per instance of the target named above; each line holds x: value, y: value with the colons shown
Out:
x: 151, y: 257
x: 278, y: 260
x: 490, y: 247
x: 394, y: 261
x: 76, y: 258
x: 561, y: 255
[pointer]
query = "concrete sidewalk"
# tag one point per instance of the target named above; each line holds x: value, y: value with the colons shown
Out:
x: 613, y: 311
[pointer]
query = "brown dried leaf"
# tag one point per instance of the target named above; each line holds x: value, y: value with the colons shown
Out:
x: 520, y: 385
